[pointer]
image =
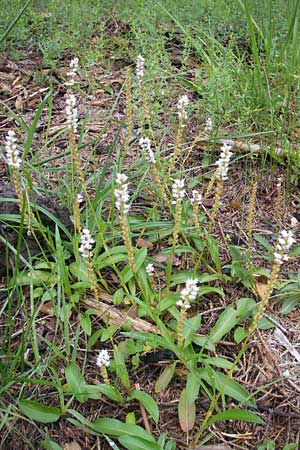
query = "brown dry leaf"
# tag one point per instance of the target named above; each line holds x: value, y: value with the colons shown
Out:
x: 19, y: 103
x: 235, y: 204
x: 73, y: 445
x: 47, y: 308
x: 144, y: 243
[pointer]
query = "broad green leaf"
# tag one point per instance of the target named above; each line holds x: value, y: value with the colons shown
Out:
x: 192, y: 387
x: 76, y: 382
x: 226, y: 321
x: 245, y: 307
x: 85, y: 323
x: 226, y: 385
x: 110, y: 261
x: 51, y: 445
x: 236, y: 414
x: 239, y: 334
x: 148, y: 402
x: 186, y: 412
x: 191, y: 326
x: 114, y: 427
x: 135, y: 443
x: 93, y: 391
x: 121, y: 368
x: 218, y: 362
x: 213, y: 249
x: 37, y: 278
x: 164, y: 378
x: 38, y: 412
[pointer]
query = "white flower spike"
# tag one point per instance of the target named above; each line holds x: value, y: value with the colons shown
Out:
x: 178, y: 191
x: 182, y: 105
x: 71, y: 112
x: 196, y: 198
x: 121, y: 193
x: 103, y: 358
x: 74, y: 65
x: 86, y: 244
x: 12, y: 153
x: 140, y: 68
x: 145, y: 145
x: 223, y: 162
x: 285, y: 241
x: 188, y: 294
x: 150, y: 270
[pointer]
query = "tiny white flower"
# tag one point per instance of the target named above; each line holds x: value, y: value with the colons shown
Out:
x: 223, y: 162
x: 208, y: 124
x: 196, y: 197
x: 121, y: 193
x: 150, y: 270
x: 294, y: 222
x: 103, y: 358
x: 71, y: 112
x: 181, y: 304
x: 86, y: 243
x: 12, y: 153
x: 182, y: 105
x: 74, y: 65
x: 80, y: 198
x: 285, y: 241
x: 145, y: 144
x: 140, y: 68
x: 178, y: 191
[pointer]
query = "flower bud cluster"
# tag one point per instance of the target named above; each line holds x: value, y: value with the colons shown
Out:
x: 12, y: 153
x: 86, y: 244
x: 182, y: 105
x: 188, y: 294
x: 103, y: 358
x: 121, y: 193
x: 74, y: 65
x: 223, y: 162
x: 145, y: 145
x: 196, y: 198
x: 285, y: 241
x: 178, y: 191
x: 72, y: 112
x: 140, y: 68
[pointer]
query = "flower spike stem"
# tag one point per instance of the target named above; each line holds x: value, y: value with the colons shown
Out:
x: 216, y: 205
x: 251, y: 213
x: 128, y: 111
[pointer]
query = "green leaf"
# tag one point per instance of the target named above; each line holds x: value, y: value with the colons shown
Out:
x: 191, y: 326
x: 148, y: 402
x: 75, y: 382
x: 51, y: 445
x: 217, y: 361
x: 239, y: 334
x: 121, y: 368
x: 192, y: 387
x: 38, y: 412
x: 164, y: 378
x: 226, y: 321
x: 85, y: 323
x: 186, y: 412
x: 114, y: 427
x: 93, y: 391
x: 226, y: 385
x: 236, y: 414
x: 135, y: 443
x: 214, y: 251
